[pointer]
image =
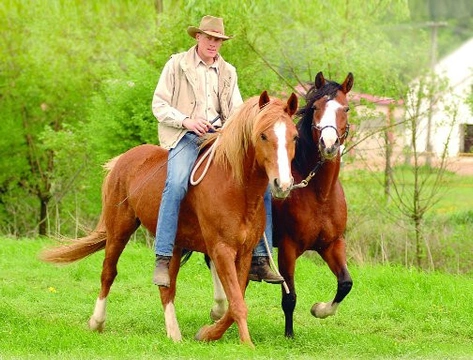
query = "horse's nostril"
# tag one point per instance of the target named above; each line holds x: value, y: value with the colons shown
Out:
x: 276, y: 183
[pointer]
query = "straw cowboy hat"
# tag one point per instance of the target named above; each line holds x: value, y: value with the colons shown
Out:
x: 209, y: 25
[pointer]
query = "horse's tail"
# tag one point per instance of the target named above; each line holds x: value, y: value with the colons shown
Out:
x: 74, y: 250
x: 77, y: 249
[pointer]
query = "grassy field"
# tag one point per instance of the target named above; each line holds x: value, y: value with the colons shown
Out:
x: 392, y: 312
x: 378, y: 233
x: 455, y: 194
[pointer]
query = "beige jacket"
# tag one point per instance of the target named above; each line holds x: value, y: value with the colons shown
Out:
x: 174, y: 98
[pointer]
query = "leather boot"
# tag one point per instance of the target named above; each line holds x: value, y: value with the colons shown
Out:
x: 260, y: 270
x: 161, y: 271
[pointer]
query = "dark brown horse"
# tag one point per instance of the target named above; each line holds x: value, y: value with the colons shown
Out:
x: 223, y: 216
x: 314, y: 217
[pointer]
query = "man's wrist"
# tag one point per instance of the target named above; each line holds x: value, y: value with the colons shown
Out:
x: 183, y: 122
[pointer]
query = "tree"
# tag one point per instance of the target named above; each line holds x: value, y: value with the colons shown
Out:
x: 428, y: 182
x: 54, y: 59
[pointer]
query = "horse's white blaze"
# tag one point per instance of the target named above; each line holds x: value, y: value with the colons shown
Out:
x: 97, y: 319
x: 172, y: 327
x: 329, y: 119
x: 285, y: 176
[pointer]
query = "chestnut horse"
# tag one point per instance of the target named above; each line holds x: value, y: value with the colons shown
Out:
x: 314, y: 216
x: 223, y: 216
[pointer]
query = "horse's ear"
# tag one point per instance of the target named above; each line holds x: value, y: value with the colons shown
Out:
x: 292, y: 104
x: 348, y: 83
x: 263, y: 99
x: 319, y: 80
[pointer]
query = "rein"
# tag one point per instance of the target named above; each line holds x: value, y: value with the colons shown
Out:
x: 209, y: 153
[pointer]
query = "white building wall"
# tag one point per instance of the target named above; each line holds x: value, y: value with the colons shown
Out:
x: 451, y: 111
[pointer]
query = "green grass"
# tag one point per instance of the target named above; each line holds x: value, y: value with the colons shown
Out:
x: 454, y: 195
x: 392, y: 312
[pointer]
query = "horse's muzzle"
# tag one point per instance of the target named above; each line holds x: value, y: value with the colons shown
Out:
x: 281, y: 190
x: 329, y: 153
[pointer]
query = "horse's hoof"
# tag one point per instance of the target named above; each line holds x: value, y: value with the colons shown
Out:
x: 316, y: 311
x: 95, y: 325
x: 323, y: 310
x: 175, y: 337
x: 200, y: 334
x: 249, y: 343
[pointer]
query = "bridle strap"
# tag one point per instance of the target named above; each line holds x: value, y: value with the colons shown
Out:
x: 347, y: 131
x: 344, y: 135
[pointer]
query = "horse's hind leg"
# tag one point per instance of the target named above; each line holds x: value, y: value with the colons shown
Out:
x: 118, y: 235
x: 335, y: 257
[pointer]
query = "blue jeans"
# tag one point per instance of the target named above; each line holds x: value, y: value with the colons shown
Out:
x: 181, y: 160
x: 260, y: 249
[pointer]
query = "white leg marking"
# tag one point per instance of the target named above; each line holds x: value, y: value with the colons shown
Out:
x: 285, y: 175
x: 97, y: 320
x: 172, y: 327
x: 220, y: 298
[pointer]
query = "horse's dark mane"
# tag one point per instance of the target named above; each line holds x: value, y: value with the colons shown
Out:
x: 305, y: 146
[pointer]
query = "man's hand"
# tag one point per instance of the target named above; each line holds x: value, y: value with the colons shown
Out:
x: 198, y: 125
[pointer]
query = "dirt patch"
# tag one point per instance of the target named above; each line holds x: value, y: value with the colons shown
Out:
x: 462, y: 165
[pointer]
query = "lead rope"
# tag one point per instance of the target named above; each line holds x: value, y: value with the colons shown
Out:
x: 273, y: 265
x: 309, y: 177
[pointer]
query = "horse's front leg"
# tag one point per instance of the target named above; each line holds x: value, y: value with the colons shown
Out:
x: 233, y: 282
x: 335, y: 257
x: 168, y: 295
x: 287, y: 263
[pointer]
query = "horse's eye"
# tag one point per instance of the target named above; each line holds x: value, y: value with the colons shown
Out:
x: 346, y: 109
x: 264, y: 137
x: 315, y: 107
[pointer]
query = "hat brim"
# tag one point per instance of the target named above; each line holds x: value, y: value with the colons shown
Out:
x: 192, y: 31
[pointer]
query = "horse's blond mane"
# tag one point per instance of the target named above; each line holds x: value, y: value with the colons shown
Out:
x: 241, y: 130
